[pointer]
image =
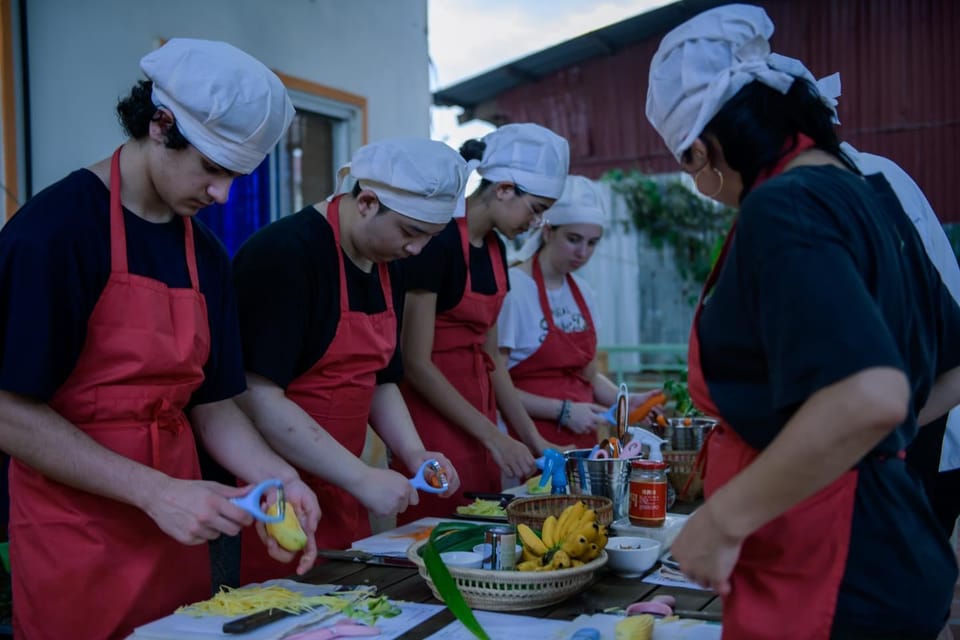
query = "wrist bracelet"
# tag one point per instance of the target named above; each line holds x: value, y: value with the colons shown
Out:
x: 564, y: 416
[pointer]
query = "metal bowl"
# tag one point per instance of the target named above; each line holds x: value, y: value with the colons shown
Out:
x: 684, y: 434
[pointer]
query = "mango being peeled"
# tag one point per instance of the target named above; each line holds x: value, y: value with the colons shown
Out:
x: 288, y: 533
x: 534, y: 488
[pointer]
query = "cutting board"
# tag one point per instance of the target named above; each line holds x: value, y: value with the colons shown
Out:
x: 396, y: 541
x: 180, y: 626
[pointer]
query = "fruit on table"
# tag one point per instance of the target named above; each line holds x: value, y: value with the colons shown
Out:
x: 288, y: 533
x: 568, y: 541
x: 534, y: 488
x: 634, y: 628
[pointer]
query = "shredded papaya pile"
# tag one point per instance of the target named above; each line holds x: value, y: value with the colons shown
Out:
x: 237, y: 602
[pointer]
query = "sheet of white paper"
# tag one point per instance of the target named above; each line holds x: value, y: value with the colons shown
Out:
x: 413, y: 614
x: 503, y: 626
x: 657, y: 577
x: 663, y: 629
x: 396, y: 541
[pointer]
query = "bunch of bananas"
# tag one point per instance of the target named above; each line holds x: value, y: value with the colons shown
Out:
x: 568, y: 541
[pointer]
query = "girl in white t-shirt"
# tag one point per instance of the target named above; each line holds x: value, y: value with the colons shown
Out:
x: 547, y: 326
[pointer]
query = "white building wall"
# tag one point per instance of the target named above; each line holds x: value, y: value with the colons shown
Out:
x: 84, y: 55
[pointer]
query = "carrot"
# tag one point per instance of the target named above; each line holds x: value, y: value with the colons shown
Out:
x: 644, y: 409
x: 662, y: 420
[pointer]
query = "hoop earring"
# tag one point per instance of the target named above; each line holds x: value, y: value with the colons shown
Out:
x: 696, y: 179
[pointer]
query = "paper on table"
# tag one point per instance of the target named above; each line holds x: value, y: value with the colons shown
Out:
x: 671, y: 578
x: 502, y: 626
x: 396, y: 541
x: 663, y: 629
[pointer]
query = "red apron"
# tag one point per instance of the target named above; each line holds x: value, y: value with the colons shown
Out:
x: 458, y: 339
x: 555, y: 370
x: 337, y: 392
x: 86, y: 566
x: 787, y: 579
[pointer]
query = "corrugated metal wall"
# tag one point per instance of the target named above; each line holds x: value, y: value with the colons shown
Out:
x: 899, y: 61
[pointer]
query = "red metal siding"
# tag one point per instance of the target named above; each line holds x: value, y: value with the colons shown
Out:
x: 899, y: 61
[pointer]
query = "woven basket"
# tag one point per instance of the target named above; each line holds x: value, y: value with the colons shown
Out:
x: 681, y: 470
x: 533, y: 511
x: 512, y: 590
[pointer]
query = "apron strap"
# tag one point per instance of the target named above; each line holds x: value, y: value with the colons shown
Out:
x: 118, y: 234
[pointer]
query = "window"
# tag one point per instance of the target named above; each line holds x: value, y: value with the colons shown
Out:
x: 328, y: 127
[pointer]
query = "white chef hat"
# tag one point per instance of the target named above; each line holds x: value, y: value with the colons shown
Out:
x: 528, y: 155
x: 705, y: 61
x: 580, y: 203
x: 419, y: 178
x: 227, y: 104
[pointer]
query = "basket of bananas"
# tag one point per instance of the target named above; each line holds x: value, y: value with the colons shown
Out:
x: 554, y: 565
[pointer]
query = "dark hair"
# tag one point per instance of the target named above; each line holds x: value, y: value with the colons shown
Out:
x: 758, y: 125
x: 473, y: 150
x: 355, y: 192
x: 137, y: 111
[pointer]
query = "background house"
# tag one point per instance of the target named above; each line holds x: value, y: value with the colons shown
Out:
x: 898, y: 61
x: 357, y: 70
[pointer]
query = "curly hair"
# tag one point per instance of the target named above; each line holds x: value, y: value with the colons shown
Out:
x: 137, y: 111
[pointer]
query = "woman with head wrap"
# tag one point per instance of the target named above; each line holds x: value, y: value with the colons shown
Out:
x: 453, y: 383
x: 547, y: 327
x: 321, y: 351
x: 121, y: 352
x: 823, y: 339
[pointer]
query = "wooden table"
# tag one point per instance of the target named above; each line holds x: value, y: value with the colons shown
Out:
x: 607, y: 590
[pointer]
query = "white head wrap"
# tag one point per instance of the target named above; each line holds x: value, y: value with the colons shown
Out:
x: 705, y: 61
x: 580, y: 203
x: 227, y: 104
x: 418, y: 178
x: 528, y: 155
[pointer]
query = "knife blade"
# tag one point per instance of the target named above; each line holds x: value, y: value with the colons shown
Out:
x: 355, y: 555
x: 255, y: 621
x: 708, y: 616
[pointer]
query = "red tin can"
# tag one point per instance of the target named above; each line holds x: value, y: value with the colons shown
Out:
x: 648, y: 493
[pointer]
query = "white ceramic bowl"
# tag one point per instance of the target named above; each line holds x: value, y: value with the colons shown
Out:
x: 632, y: 556
x: 465, y: 559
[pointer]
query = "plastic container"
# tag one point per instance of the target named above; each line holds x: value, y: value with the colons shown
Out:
x: 648, y: 493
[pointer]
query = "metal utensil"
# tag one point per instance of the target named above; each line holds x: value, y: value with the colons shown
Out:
x: 623, y: 402
x: 356, y: 555
x: 251, y: 502
x: 430, y: 470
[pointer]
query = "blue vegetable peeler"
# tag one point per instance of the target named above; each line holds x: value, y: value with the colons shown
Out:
x: 251, y: 502
x: 433, y: 468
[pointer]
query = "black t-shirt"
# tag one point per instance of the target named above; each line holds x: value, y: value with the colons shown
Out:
x: 825, y: 277
x: 288, y: 293
x: 441, y: 269
x: 54, y: 264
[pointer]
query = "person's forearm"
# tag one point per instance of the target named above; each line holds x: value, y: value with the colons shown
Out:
x: 944, y: 396
x: 391, y: 420
x: 429, y: 381
x: 826, y: 437
x: 540, y: 407
x: 604, y: 391
x: 233, y: 441
x: 38, y: 436
x: 296, y: 436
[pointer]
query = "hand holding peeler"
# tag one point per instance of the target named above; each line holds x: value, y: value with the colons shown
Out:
x: 429, y: 471
x: 251, y: 502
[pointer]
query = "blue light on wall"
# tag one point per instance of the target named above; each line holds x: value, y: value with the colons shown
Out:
x: 247, y: 209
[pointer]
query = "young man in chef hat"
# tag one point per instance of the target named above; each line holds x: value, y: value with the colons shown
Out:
x: 320, y: 300
x: 120, y: 347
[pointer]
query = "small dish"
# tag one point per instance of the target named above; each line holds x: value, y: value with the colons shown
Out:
x: 632, y: 556
x: 484, y: 550
x: 464, y: 559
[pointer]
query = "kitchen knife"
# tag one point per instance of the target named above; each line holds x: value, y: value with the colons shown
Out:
x: 355, y: 555
x: 709, y: 616
x: 253, y: 621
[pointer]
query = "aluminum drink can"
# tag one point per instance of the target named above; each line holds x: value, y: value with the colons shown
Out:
x: 503, y: 548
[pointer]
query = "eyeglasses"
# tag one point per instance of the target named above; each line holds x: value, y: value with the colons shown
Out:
x: 537, y: 216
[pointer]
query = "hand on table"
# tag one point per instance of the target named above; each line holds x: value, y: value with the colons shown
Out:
x: 196, y: 511
x: 706, y: 555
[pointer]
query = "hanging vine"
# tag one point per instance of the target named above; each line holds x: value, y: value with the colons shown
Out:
x: 672, y: 215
